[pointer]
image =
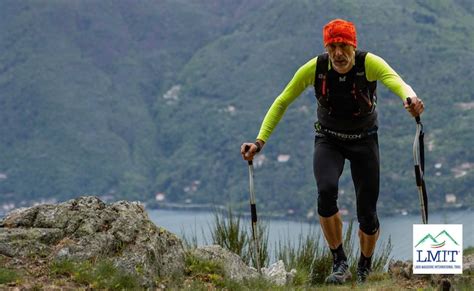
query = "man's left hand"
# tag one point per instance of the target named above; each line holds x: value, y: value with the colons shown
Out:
x: 416, y: 107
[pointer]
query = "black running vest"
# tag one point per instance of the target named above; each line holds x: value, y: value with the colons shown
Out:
x: 346, y: 102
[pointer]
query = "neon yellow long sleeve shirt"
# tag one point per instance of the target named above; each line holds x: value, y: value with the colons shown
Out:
x: 376, y: 70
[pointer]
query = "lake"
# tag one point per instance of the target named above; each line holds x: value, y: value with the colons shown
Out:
x: 399, y: 228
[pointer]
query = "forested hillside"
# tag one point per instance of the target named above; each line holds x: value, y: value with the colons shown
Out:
x: 129, y: 99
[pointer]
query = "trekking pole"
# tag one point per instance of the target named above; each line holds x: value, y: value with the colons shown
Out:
x: 419, y: 161
x: 253, y: 211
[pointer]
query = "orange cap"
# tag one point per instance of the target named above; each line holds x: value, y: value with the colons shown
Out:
x: 340, y: 30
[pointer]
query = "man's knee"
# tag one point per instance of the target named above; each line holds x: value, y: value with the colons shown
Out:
x: 327, y: 199
x: 369, y: 224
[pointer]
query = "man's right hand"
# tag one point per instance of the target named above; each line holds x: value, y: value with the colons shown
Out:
x: 251, y: 150
x: 415, y: 107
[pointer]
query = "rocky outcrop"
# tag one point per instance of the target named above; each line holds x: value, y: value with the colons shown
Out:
x: 87, y: 228
x: 235, y: 269
x: 277, y: 274
x: 233, y: 266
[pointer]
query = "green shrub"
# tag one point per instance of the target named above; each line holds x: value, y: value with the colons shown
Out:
x: 62, y: 268
x: 382, y: 256
x: 228, y: 232
x: 204, y: 270
x: 301, y: 256
x: 262, y: 240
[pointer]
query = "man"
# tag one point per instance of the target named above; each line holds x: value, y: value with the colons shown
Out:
x: 345, y: 81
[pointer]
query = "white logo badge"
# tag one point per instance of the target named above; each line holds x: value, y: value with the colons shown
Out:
x: 437, y: 249
x: 342, y: 79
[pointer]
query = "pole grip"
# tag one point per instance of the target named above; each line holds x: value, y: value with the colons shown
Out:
x: 247, y: 148
x: 417, y: 118
x: 253, y: 211
x: 418, y: 175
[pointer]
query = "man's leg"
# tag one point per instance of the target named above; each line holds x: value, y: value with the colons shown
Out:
x: 332, y: 229
x: 328, y: 164
x: 367, y: 242
x: 367, y: 246
x: 365, y: 175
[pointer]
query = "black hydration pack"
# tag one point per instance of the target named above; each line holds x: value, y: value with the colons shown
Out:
x: 345, y: 96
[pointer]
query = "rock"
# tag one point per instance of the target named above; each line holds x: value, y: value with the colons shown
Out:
x: 468, y: 263
x: 87, y: 228
x: 277, y: 274
x: 234, y: 267
x: 401, y: 269
x: 407, y: 271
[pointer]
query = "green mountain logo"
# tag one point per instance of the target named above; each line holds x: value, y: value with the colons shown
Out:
x: 426, y: 237
x: 445, y: 233
x: 435, y: 240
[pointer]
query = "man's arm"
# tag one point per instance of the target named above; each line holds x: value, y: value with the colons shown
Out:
x: 300, y: 81
x: 377, y: 69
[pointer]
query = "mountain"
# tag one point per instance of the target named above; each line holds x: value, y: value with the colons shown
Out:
x: 426, y: 237
x: 127, y: 99
x: 444, y: 233
x: 79, y: 87
x: 435, y: 239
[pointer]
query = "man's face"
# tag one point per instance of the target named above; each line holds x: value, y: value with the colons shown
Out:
x: 342, y: 56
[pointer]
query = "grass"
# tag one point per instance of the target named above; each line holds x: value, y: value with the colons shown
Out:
x: 204, y: 270
x: 313, y: 261
x: 303, y: 256
x: 228, y: 232
x: 468, y: 251
x: 309, y: 256
x: 7, y: 275
x: 207, y: 273
x: 101, y: 275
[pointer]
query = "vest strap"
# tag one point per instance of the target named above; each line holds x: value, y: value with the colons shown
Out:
x: 363, y: 91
